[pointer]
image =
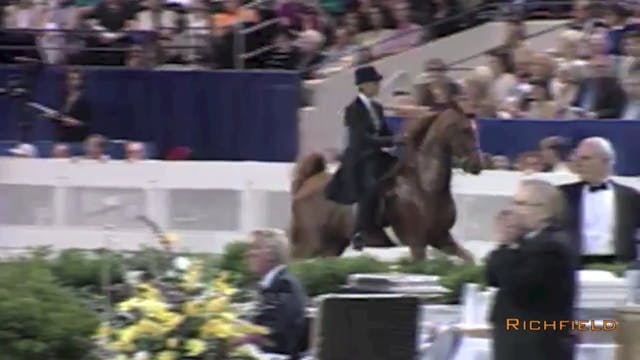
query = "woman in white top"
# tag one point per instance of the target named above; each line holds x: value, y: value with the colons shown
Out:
x: 564, y: 88
x: 504, y: 81
x: 24, y: 15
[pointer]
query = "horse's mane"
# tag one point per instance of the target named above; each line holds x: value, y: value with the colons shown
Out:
x: 307, y: 167
x: 419, y: 133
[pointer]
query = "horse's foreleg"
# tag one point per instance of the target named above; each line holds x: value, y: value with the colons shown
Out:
x: 418, y: 253
x: 452, y: 247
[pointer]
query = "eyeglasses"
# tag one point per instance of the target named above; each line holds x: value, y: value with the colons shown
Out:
x: 527, y: 203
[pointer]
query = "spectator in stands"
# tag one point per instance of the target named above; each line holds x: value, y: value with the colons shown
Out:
x: 600, y: 96
x: 440, y: 21
x: 60, y: 151
x: 24, y: 15
x: 73, y: 118
x: 476, y: 98
x: 595, y: 45
x: 632, y: 84
x: 308, y: 41
x: 604, y: 216
x: 586, y: 17
x: 539, y: 104
x: 292, y: 13
x: 113, y: 18
x: 501, y: 162
x: 515, y: 36
x: 283, y: 300
x: 95, y: 147
x: 632, y: 54
x: 340, y: 55
x: 568, y: 48
x: 376, y: 31
x: 434, y: 80
x: 564, y: 88
x: 352, y: 23
x: 541, y: 67
x: 24, y: 150
x: 616, y: 17
x: 163, y: 23
x: 554, y: 150
x: 134, y: 151
x: 284, y: 55
x: 530, y: 162
x: 503, y: 80
x: 21, y: 15
x: 59, y: 47
x: 405, y: 36
x: 198, y: 32
x: 364, y: 56
x: 233, y: 13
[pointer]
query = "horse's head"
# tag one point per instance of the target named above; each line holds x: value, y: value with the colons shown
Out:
x: 462, y: 133
x: 457, y: 132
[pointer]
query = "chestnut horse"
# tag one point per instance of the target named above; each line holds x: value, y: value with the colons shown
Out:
x: 417, y: 199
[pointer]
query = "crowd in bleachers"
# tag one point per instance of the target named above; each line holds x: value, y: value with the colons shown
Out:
x: 317, y: 36
x: 593, y: 72
x: 95, y: 147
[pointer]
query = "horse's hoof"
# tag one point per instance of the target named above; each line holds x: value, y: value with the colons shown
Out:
x: 357, y: 242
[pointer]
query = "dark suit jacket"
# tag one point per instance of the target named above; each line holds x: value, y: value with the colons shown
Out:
x: 80, y: 110
x: 365, y: 144
x: 627, y: 203
x: 536, y: 282
x: 282, y: 310
x: 609, y: 100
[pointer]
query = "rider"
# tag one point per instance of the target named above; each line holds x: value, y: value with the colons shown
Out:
x: 366, y: 158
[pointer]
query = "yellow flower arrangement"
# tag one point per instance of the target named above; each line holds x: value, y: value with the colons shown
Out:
x: 194, y: 327
x: 191, y: 278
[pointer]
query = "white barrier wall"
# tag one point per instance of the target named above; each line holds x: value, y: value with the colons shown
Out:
x: 69, y: 204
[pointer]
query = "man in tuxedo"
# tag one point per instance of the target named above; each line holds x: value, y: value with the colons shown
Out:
x: 367, y: 156
x: 534, y: 271
x: 282, y: 303
x: 603, y: 216
x: 600, y: 96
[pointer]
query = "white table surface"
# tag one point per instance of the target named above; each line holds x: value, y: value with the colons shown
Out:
x: 480, y: 349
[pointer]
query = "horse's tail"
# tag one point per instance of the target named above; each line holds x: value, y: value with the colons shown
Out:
x: 307, y: 167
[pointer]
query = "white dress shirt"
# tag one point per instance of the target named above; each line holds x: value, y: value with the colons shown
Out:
x: 267, y: 279
x: 598, y: 221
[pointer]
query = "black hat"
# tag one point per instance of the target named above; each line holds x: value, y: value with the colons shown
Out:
x: 367, y: 74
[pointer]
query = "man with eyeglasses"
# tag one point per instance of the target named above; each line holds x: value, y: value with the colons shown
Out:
x: 604, y: 216
x: 534, y: 271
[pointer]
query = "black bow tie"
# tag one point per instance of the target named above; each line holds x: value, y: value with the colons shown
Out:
x: 594, y: 188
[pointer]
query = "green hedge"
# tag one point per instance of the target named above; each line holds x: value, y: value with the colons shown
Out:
x: 616, y: 268
x: 327, y: 275
x: 39, y: 318
x: 42, y: 315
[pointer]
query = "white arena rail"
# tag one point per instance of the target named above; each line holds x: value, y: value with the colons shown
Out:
x: 86, y: 204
